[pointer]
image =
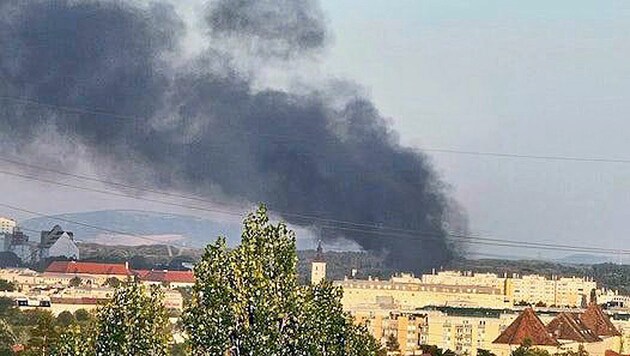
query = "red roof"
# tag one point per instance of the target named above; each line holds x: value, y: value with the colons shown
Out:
x: 595, y: 319
x: 613, y: 353
x: 569, y: 326
x: 526, y: 326
x: 167, y: 276
x: 88, y: 268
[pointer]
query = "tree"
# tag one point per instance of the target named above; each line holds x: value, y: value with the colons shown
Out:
x: 7, y: 338
x: 392, y: 343
x: 6, y: 285
x: 75, y: 341
x: 247, y: 301
x: 75, y: 281
x: 65, y: 318
x: 527, y: 349
x: 44, y: 334
x: 482, y: 352
x: 6, y: 305
x: 134, y: 322
x: 112, y: 282
x: 82, y: 315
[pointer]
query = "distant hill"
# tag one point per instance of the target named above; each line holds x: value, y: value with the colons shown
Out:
x: 160, y: 227
x: 157, y: 228
x: 587, y: 259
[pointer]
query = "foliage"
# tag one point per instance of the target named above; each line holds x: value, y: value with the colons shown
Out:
x: 112, y: 282
x: 6, y: 285
x: 82, y: 315
x: 75, y: 341
x: 392, y: 344
x: 65, y: 318
x: 44, y: 335
x: 433, y: 350
x: 7, y: 338
x: 75, y: 281
x: 6, y: 304
x: 134, y: 322
x: 247, y: 301
x: 482, y: 352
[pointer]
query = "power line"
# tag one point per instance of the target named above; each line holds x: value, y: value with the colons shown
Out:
x: 425, y: 236
x: 534, y: 157
x: 78, y: 110
x: 99, y: 228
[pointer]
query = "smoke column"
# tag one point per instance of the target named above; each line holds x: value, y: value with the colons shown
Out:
x: 201, y: 126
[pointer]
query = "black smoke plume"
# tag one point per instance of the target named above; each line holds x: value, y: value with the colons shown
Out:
x: 200, y: 125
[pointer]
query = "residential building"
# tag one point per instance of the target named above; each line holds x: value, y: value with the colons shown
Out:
x: 466, y: 278
x: 591, y: 330
x: 64, y: 271
x: 7, y: 225
x: 172, y: 279
x: 528, y: 289
x: 408, y: 292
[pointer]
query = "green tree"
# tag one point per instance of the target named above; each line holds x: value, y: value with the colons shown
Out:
x: 6, y: 305
x: 75, y: 281
x: 75, y: 341
x: 392, y: 343
x: 82, y: 315
x: 7, y: 338
x: 482, y: 352
x: 527, y: 349
x: 134, y: 322
x: 6, y: 285
x: 247, y: 301
x: 44, y: 334
x: 112, y: 282
x: 65, y: 318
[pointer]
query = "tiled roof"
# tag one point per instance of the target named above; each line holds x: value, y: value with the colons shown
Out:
x: 595, y: 319
x: 613, y: 353
x: 167, y: 276
x: 526, y: 326
x: 87, y: 268
x: 569, y: 326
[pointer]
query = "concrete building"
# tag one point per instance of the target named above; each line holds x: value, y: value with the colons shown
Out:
x: 318, y: 266
x: 58, y: 243
x: 407, y: 292
x: 460, y: 330
x: 529, y: 289
x: 7, y: 225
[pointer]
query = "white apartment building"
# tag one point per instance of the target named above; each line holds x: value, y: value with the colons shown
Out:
x: 7, y: 225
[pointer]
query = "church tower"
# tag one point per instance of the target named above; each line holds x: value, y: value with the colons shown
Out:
x: 318, y: 266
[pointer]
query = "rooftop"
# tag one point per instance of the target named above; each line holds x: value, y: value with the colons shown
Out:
x: 88, y: 268
x: 526, y: 326
x: 569, y: 326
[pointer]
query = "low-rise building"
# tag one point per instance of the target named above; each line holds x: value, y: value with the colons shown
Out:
x: 590, y: 330
x: 172, y: 279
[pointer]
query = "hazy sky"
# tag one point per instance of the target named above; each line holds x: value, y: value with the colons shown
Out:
x: 545, y: 78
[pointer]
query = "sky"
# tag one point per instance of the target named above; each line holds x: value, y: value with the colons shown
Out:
x: 519, y: 77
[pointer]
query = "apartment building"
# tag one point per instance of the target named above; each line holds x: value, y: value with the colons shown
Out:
x: 459, y: 329
x: 7, y: 225
x: 529, y: 289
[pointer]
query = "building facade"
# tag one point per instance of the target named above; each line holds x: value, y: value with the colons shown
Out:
x: 7, y: 225
x: 408, y: 292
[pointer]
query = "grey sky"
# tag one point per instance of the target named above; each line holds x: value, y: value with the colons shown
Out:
x: 532, y: 78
